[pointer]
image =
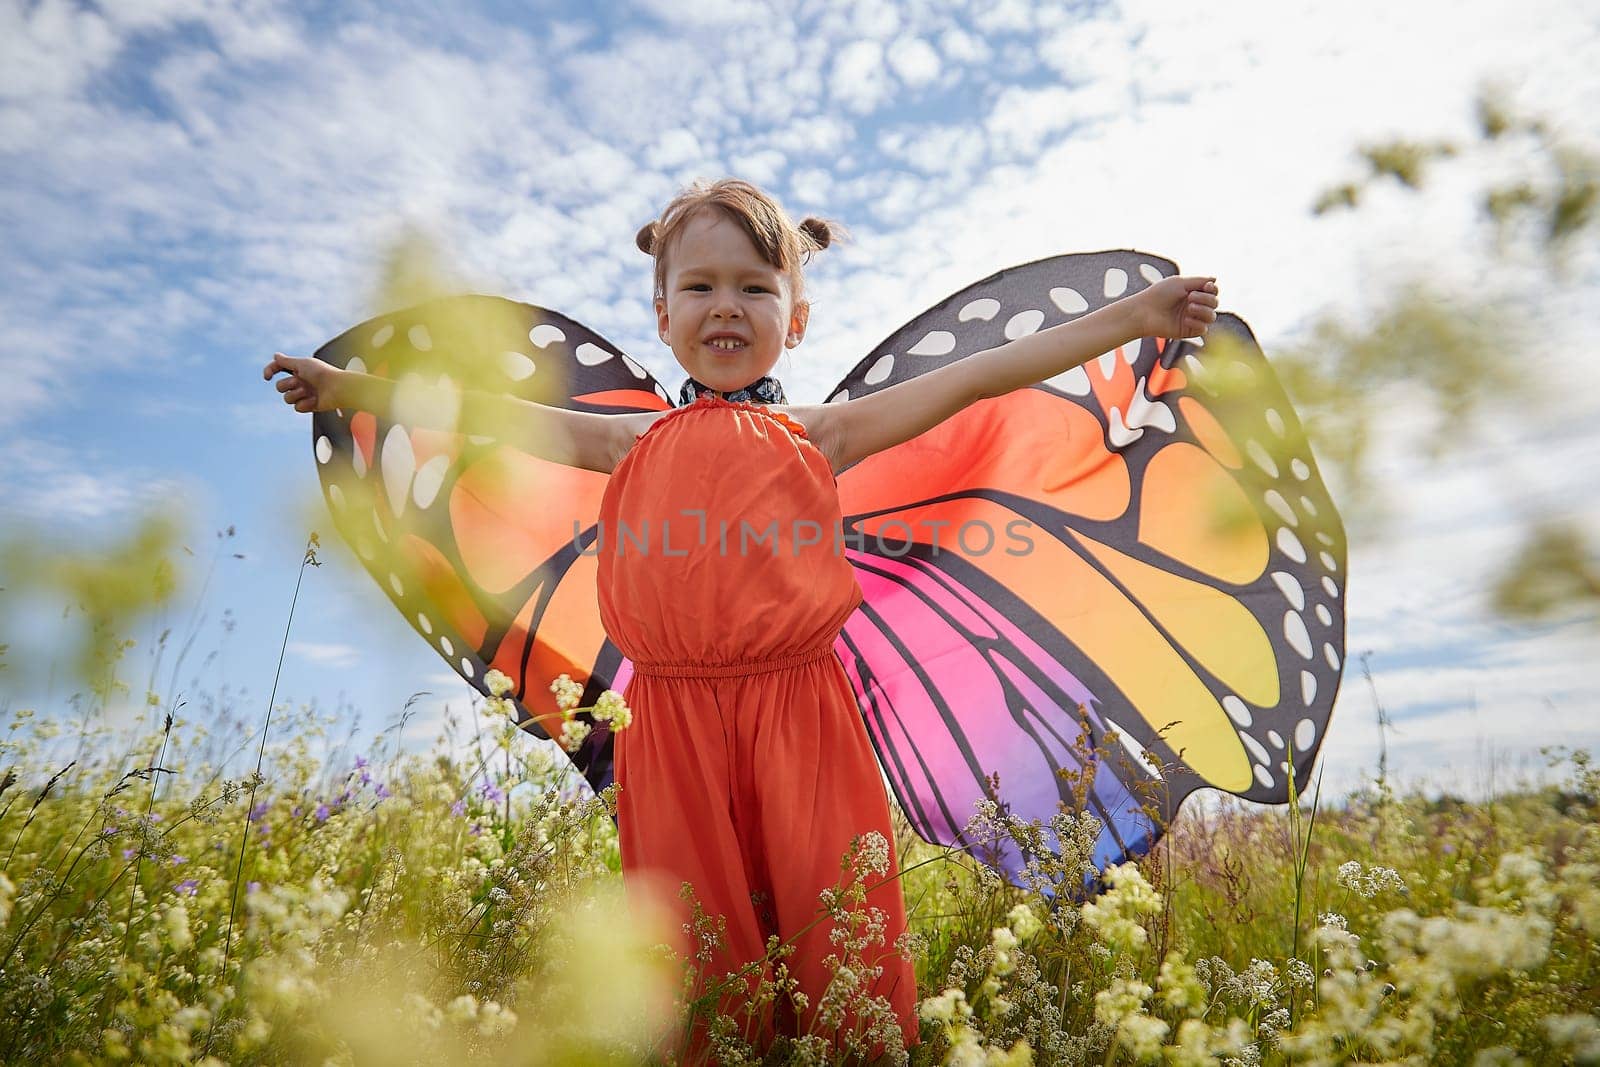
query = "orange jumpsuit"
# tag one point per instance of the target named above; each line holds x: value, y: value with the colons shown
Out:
x: 747, y: 771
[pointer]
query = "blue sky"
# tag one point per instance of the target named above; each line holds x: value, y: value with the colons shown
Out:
x: 189, y: 185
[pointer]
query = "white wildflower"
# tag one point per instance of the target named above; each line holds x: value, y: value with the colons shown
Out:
x: 1115, y: 915
x: 869, y: 855
x: 497, y: 682
x: 1124, y: 997
x: 949, y: 1006
x: 1577, y: 1035
x: 1142, y: 1036
x: 1300, y: 973
x: 613, y: 709
x: 463, y: 1009
x: 569, y: 694
x: 1024, y: 923
x: 1180, y: 988
x: 573, y: 732
x: 494, y: 1020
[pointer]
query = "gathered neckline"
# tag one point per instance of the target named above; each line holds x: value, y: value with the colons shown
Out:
x: 711, y: 400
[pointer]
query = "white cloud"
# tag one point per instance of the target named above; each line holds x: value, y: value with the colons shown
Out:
x: 859, y: 81
x: 329, y: 655
x: 674, y: 148
x: 52, y: 49
x: 71, y: 490
x: 963, y: 47
x: 914, y: 60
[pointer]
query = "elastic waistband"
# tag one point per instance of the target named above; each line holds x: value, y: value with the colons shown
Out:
x: 732, y: 670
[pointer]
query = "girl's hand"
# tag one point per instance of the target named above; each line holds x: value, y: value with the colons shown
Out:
x: 1178, y: 307
x: 311, y: 384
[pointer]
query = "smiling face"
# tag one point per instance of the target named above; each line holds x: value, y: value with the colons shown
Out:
x: 728, y: 314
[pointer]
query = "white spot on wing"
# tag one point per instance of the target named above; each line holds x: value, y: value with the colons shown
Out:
x: 324, y: 449
x: 1300, y: 469
x: 591, y: 355
x: 398, y: 464
x: 381, y: 338
x: 542, y: 334
x: 1149, y: 272
x: 984, y: 308
x: 1237, y: 710
x: 1276, y: 502
x: 1263, y: 459
x: 1023, y: 323
x: 429, y: 477
x: 1290, y: 545
x: 1331, y: 656
x: 394, y: 583
x: 1294, y: 631
x: 1074, y: 381
x: 516, y: 365
x: 935, y: 343
x: 1145, y: 412
x: 1116, y: 282
x: 424, y: 622
x: 1291, y: 589
x: 1118, y: 431
x: 1257, y: 749
x: 1069, y: 300
x: 357, y: 365
x: 879, y: 370
x: 1305, y: 735
x: 1263, y: 776
x: 1134, y: 749
x: 1308, y: 688
x: 419, y: 337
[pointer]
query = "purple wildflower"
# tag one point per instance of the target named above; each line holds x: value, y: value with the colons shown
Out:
x: 179, y: 861
x: 251, y: 887
x: 459, y: 808
x: 259, y: 810
x: 490, y: 793
x: 381, y: 790
x: 321, y: 814
x: 188, y: 887
x: 129, y: 853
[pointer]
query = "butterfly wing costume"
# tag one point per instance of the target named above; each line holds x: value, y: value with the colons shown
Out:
x: 1102, y: 591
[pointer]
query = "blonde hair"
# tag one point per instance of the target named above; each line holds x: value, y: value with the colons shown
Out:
x: 781, y: 243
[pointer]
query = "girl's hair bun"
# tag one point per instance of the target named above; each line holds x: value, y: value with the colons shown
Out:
x: 646, y: 238
x: 818, y: 230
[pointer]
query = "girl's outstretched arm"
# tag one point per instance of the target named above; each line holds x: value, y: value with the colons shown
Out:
x: 573, y: 438
x: 1173, y: 307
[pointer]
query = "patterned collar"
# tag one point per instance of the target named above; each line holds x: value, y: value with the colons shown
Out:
x: 761, y: 391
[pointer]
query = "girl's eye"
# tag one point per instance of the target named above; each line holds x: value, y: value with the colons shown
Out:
x: 757, y: 288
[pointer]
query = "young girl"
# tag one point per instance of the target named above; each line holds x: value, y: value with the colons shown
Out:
x: 748, y: 773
